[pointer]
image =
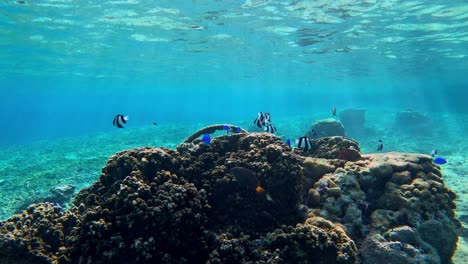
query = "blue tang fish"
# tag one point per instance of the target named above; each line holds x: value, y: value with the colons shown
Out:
x: 440, y: 161
x: 288, y: 141
x: 206, y: 139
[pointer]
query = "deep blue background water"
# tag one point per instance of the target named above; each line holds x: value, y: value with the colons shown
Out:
x: 46, y: 109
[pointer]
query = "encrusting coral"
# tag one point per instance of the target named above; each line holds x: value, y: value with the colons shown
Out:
x: 190, y: 205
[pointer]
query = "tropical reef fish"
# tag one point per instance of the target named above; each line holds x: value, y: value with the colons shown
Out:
x: 304, y: 142
x: 334, y: 111
x: 270, y: 128
x: 229, y: 129
x: 440, y: 161
x: 119, y: 120
x: 314, y: 132
x: 380, y: 145
x: 247, y: 179
x: 288, y: 141
x: 260, y: 120
x: 154, y: 123
x: 206, y: 139
x: 267, y: 117
x: 434, y: 152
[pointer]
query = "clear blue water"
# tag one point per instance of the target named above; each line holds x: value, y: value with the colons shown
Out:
x: 67, y: 67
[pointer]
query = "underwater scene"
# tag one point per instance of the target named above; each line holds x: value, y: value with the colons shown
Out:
x: 248, y: 131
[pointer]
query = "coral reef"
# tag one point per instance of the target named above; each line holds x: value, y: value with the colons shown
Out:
x: 38, y: 235
x: 329, y: 147
x: 187, y: 206
x: 326, y: 128
x: 62, y: 195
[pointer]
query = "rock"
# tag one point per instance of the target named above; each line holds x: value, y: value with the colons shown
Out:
x: 376, y: 249
x: 62, y: 193
x: 313, y: 197
x: 354, y: 120
x: 441, y: 236
x: 329, y: 147
x: 349, y: 154
x: 326, y: 128
x: 334, y: 192
x: 413, y: 123
x: 315, y: 168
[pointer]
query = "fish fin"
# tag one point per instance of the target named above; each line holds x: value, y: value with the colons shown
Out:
x: 268, y: 197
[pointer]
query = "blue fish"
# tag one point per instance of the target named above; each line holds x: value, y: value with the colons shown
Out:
x: 206, y: 139
x: 226, y: 127
x: 288, y: 141
x: 440, y: 161
x: 238, y: 129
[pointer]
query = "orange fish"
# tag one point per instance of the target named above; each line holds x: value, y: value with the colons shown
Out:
x: 259, y: 189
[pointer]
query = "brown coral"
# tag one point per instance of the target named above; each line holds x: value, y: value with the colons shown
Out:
x: 166, y: 206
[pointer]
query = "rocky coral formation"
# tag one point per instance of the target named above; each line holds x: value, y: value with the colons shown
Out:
x: 329, y: 147
x: 413, y: 122
x: 326, y: 128
x: 315, y: 241
x: 188, y: 206
x: 61, y: 195
x: 38, y: 235
x: 354, y: 120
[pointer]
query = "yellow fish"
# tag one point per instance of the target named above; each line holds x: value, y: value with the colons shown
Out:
x: 259, y: 189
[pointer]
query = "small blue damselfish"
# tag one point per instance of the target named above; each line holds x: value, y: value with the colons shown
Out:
x: 440, y: 161
x: 206, y: 139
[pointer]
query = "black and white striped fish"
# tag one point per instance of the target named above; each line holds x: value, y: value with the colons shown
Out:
x: 380, y: 145
x: 267, y: 117
x: 119, y: 120
x: 270, y: 128
x: 305, y: 143
x: 260, y: 120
